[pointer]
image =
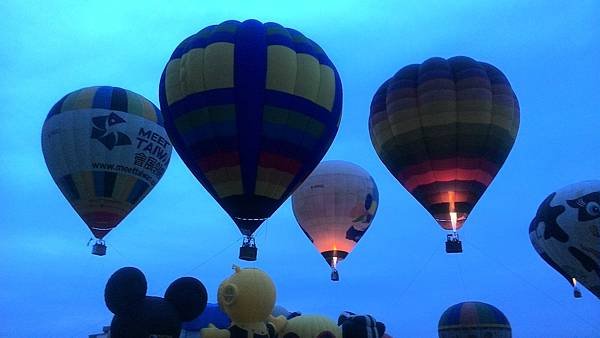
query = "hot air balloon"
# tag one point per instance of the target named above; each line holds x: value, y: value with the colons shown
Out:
x: 311, y: 326
x: 105, y: 148
x: 473, y: 320
x: 335, y: 207
x: 251, y: 109
x: 565, y: 232
x: 444, y: 128
x: 212, y: 314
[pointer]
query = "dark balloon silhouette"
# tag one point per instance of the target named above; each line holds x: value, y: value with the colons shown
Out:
x: 444, y: 128
x: 139, y: 316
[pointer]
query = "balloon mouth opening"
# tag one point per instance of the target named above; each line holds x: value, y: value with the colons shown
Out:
x: 576, y: 290
x: 333, y: 257
x: 453, y: 220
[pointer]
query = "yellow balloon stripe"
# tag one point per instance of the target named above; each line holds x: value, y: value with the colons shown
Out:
x: 212, y: 68
x: 80, y: 100
x: 123, y: 187
x: 300, y: 74
x: 271, y: 182
x: 281, y: 69
x: 227, y: 181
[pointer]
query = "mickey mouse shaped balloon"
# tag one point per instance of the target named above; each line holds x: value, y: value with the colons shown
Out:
x: 138, y: 315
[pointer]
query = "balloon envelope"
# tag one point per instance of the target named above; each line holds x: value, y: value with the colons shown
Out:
x: 279, y: 310
x: 335, y: 206
x: 251, y: 109
x: 212, y: 315
x: 311, y: 326
x: 473, y: 320
x: 105, y: 148
x: 444, y: 128
x: 566, y: 234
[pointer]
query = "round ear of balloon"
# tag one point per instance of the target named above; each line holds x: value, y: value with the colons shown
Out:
x: 105, y: 148
x: 360, y: 326
x: 566, y: 234
x: 251, y: 109
x: 335, y: 207
x: 248, y: 299
x: 139, y: 316
x: 473, y: 319
x: 444, y: 128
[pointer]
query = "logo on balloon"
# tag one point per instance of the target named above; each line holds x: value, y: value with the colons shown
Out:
x: 363, y: 214
x: 101, y: 131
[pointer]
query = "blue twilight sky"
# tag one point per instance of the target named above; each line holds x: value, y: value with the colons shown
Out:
x: 51, y: 286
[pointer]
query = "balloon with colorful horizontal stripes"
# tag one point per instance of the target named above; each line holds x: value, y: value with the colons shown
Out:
x: 105, y: 148
x: 444, y: 128
x: 473, y: 320
x: 251, y: 109
x: 335, y: 207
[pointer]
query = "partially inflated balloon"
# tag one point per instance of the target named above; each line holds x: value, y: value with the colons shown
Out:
x: 311, y: 326
x: 444, y: 128
x: 473, y: 320
x: 566, y: 233
x: 334, y: 207
x: 212, y: 314
x: 105, y: 148
x: 251, y: 109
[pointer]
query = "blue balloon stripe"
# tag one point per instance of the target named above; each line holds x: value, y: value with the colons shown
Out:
x: 69, y: 188
x: 205, y: 132
x: 98, y: 177
x: 102, y: 98
x: 138, y: 190
x: 280, y: 39
x: 302, y: 105
x: 57, y: 108
x: 223, y: 96
x: 118, y: 100
x: 336, y: 109
x: 286, y: 149
x: 250, y: 66
x: 213, y: 146
x: 281, y: 132
x: 159, y: 116
x: 215, y: 97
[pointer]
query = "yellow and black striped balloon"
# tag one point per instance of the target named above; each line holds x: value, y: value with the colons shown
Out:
x: 251, y: 109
